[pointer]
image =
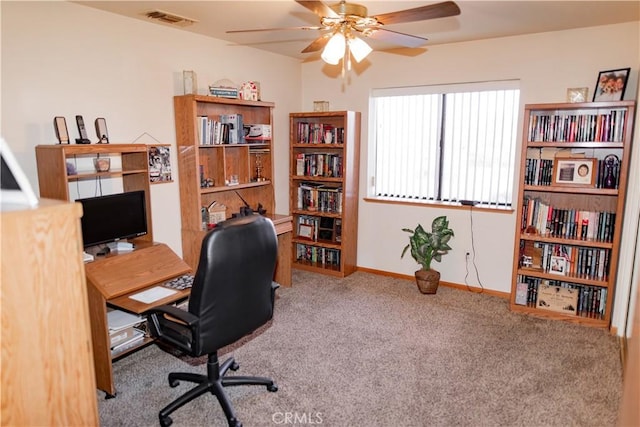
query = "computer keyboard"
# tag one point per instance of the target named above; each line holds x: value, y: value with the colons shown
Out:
x: 181, y: 282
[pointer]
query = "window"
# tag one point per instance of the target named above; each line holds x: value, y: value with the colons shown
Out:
x: 445, y: 143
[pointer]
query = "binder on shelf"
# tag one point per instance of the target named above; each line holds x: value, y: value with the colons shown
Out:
x: 134, y: 340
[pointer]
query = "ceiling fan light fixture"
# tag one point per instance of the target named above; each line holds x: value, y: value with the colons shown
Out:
x: 334, y: 50
x: 359, y: 48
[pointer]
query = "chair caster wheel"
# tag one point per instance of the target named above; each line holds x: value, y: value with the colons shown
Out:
x: 272, y: 388
x: 234, y: 366
x: 174, y: 383
x: 166, y: 421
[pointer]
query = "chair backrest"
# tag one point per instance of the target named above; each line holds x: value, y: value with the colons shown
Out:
x: 232, y: 288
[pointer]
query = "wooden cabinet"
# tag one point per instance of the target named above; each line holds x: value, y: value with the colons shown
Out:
x: 224, y: 173
x: 129, y: 171
x: 324, y: 168
x: 47, y: 367
x: 573, y: 180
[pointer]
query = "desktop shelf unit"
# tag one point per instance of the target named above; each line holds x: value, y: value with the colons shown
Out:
x: 54, y: 178
x: 568, y: 234
x: 323, y: 185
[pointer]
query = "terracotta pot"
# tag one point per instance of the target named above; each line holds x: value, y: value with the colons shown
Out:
x: 427, y: 281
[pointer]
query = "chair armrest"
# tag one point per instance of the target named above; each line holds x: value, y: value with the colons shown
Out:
x: 181, y: 315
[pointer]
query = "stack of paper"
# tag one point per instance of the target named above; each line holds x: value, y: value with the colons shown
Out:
x: 122, y: 331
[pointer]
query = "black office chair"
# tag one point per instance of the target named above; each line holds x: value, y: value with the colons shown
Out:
x: 232, y: 295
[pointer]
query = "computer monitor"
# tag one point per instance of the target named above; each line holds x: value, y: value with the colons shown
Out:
x: 113, y: 217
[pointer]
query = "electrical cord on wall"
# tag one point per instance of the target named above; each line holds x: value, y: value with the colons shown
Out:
x: 473, y: 259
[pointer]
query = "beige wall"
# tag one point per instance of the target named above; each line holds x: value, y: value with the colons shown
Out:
x: 546, y: 65
x: 64, y: 59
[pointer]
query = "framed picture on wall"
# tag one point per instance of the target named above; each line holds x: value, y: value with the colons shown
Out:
x: 159, y: 163
x: 611, y: 84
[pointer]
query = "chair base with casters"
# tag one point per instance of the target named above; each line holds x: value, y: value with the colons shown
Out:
x: 214, y: 382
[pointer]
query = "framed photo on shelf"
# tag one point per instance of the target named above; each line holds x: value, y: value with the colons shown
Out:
x: 574, y: 171
x: 558, y: 265
x: 611, y: 84
x: 305, y: 231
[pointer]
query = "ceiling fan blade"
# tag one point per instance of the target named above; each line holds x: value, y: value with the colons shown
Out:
x: 274, y: 29
x: 317, y: 44
x: 319, y: 8
x: 397, y: 38
x: 432, y: 11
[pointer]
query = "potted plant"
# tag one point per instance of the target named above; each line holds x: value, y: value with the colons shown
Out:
x: 427, y: 247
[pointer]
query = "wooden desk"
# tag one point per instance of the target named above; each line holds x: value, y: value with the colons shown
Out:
x: 192, y: 242
x: 47, y: 369
x: 284, y: 229
x: 111, y: 280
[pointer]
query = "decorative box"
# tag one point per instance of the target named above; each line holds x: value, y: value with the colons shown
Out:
x: 250, y: 91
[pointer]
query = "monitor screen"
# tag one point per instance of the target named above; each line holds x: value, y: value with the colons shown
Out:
x: 113, y: 217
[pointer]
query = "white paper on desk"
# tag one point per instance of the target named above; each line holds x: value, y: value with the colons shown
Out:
x: 154, y: 294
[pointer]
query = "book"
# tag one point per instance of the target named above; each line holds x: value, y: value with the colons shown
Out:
x: 521, y: 293
x: 235, y: 126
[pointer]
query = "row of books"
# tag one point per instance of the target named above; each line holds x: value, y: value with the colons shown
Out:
x: 228, y: 129
x: 318, y: 255
x: 319, y: 133
x: 551, y: 221
x: 574, y: 261
x: 587, y: 127
x: 126, y: 330
x: 591, y: 301
x: 319, y: 164
x: 319, y: 197
x: 540, y: 172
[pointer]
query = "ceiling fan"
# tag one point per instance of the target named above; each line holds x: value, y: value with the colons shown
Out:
x: 344, y: 25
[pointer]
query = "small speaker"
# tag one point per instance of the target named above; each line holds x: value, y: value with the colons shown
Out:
x: 101, y: 131
x: 60, y: 125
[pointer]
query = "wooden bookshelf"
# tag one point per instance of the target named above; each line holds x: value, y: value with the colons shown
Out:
x: 208, y: 172
x: 569, y: 225
x: 324, y: 153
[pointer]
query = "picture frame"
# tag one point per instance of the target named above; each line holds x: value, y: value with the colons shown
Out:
x: 558, y: 265
x: 572, y: 171
x: 159, y: 163
x: 577, y: 94
x: 305, y: 231
x: 611, y: 85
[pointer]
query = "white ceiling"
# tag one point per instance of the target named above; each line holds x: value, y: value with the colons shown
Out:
x: 478, y: 20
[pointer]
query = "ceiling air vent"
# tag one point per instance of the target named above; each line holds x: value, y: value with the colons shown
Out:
x: 169, y: 18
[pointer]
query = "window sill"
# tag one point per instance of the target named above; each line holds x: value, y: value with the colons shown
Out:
x: 434, y: 204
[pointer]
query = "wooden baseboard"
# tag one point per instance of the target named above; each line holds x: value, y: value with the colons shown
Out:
x: 474, y: 289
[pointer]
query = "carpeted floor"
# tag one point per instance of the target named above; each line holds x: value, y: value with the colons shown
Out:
x: 369, y: 350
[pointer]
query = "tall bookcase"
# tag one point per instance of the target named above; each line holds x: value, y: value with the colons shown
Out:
x: 220, y: 172
x: 324, y: 153
x: 573, y: 180
x: 130, y: 165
